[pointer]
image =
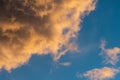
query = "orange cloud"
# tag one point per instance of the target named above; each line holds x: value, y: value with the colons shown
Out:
x: 101, y: 74
x: 111, y: 55
x: 40, y: 27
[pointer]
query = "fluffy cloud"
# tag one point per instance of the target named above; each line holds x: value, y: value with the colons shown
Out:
x: 40, y: 27
x: 101, y: 74
x: 111, y: 55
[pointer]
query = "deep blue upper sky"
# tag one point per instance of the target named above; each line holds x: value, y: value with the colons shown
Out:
x: 103, y: 23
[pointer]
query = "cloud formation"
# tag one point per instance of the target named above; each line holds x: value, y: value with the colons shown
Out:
x: 101, y: 74
x: 65, y: 64
x: 40, y: 27
x: 111, y: 55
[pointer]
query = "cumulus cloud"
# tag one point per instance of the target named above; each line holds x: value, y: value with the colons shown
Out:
x: 40, y: 27
x: 101, y: 74
x: 111, y: 55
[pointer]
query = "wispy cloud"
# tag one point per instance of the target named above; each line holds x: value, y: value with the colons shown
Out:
x: 101, y: 73
x: 65, y: 64
x: 30, y: 27
x: 111, y: 55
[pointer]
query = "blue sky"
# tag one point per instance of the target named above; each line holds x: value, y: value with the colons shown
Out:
x: 101, y: 24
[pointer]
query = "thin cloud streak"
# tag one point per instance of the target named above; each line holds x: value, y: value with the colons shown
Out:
x: 65, y: 64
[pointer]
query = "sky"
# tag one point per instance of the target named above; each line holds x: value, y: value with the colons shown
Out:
x: 59, y: 40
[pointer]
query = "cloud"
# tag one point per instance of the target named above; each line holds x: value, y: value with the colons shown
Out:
x: 40, y: 27
x: 101, y: 74
x: 111, y: 55
x: 65, y: 64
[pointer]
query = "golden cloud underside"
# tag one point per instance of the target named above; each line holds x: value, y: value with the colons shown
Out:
x: 38, y: 27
